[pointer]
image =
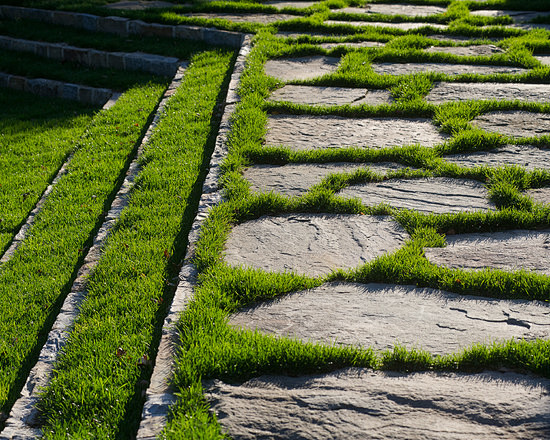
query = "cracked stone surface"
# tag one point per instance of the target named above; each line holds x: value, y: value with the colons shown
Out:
x: 280, y: 4
x: 296, y: 179
x: 432, y: 194
x: 508, y: 250
x: 243, y: 18
x: 313, y: 245
x: 313, y: 95
x: 482, y: 50
x: 357, y: 44
x: 521, y: 155
x: 449, y: 92
x: 405, y: 26
x: 540, y: 195
x: 291, y: 69
x: 396, y: 9
x: 517, y: 16
x: 447, y: 69
x: 516, y: 124
x: 348, y: 403
x: 544, y: 59
x: 301, y: 132
x: 382, y: 315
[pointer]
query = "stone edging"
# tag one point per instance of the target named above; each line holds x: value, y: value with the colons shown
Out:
x: 160, y: 395
x: 145, y: 62
x: 123, y: 26
x: 56, y: 89
x: 24, y: 417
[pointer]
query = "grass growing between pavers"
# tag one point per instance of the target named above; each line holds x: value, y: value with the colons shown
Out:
x: 34, y: 282
x: 33, y: 146
x: 97, y: 386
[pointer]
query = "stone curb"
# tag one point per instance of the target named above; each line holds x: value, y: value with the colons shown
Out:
x: 123, y: 26
x: 24, y: 418
x: 145, y: 62
x: 56, y: 89
x: 160, y: 395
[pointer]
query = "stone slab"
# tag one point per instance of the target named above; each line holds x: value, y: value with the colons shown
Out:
x: 447, y: 69
x: 481, y: 50
x: 359, y: 403
x: 381, y: 316
x: 438, y: 195
x: 509, y: 250
x: 396, y: 9
x: 539, y: 195
x: 280, y: 4
x: 517, y: 124
x: 296, y: 179
x: 351, y: 45
x: 313, y: 95
x: 302, y: 132
x: 139, y: 5
x: 517, y: 16
x: 544, y: 59
x: 243, y: 18
x: 521, y: 155
x: 450, y: 92
x: 405, y: 26
x: 312, y: 244
x: 301, y: 68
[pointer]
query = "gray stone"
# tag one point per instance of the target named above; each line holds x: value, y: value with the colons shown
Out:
x: 481, y: 50
x: 517, y: 16
x: 313, y: 95
x: 139, y: 5
x: 296, y: 179
x: 312, y: 244
x: 307, y: 132
x: 405, y: 26
x: 382, y: 316
x: 521, y: 155
x: 447, y: 69
x: 113, y: 25
x: 351, y: 45
x: 430, y: 194
x: 544, y: 59
x: 396, y: 9
x: 508, y: 250
x: 449, y: 92
x: 517, y: 124
x: 280, y: 4
x: 540, y: 195
x: 243, y: 18
x: 531, y: 26
x: 360, y: 403
x: 291, y: 69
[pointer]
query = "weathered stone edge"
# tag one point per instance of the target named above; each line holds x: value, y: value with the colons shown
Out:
x: 160, y: 395
x: 123, y: 26
x: 24, y: 417
x: 156, y: 64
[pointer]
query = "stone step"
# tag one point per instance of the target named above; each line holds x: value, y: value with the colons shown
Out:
x: 480, y: 50
x: 404, y: 26
x: 517, y: 16
x: 447, y: 69
x: 301, y: 68
x: 514, y: 123
x: 450, y: 92
x: 520, y: 155
x: 328, y: 96
x: 395, y: 9
x: 243, y: 18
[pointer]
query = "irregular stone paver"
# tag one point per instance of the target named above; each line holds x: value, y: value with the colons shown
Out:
x: 396, y: 9
x: 517, y: 124
x: 382, y: 315
x: 432, y: 194
x: 405, y: 26
x: 544, y: 59
x: 280, y: 4
x: 296, y: 179
x: 482, y: 50
x: 540, y: 195
x: 531, y: 26
x: 447, y: 69
x: 359, y: 404
x: 243, y: 18
x: 291, y: 69
x: 521, y: 155
x: 306, y: 132
x: 313, y: 245
x: 508, y: 250
x: 297, y: 34
x: 313, y: 95
x: 448, y: 92
x: 353, y: 45
x: 517, y: 16
x: 138, y: 5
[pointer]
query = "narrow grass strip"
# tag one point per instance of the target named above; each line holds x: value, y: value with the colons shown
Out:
x: 34, y: 282
x: 97, y: 385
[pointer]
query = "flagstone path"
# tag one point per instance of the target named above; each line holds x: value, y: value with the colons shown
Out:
x: 447, y: 69
x: 516, y: 124
x: 525, y: 156
x: 312, y: 95
x: 461, y: 91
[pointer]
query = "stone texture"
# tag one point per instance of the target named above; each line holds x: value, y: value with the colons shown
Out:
x: 382, y: 315
x: 139, y: 5
x: 359, y: 403
x: 508, y: 250
x: 291, y: 69
x: 517, y: 16
x: 307, y: 132
x: 447, y: 69
x: 481, y: 50
x: 540, y: 195
x: 351, y: 45
x: 448, y: 92
x: 516, y: 124
x: 430, y: 194
x: 280, y: 4
x: 243, y: 18
x: 396, y: 9
x: 296, y: 179
x: 313, y: 95
x: 521, y: 155
x: 314, y: 244
x: 544, y: 59
x: 405, y: 26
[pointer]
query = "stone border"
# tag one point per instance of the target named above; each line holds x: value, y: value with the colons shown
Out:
x: 24, y: 418
x: 123, y: 26
x: 150, y: 63
x: 160, y: 395
x: 56, y: 89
